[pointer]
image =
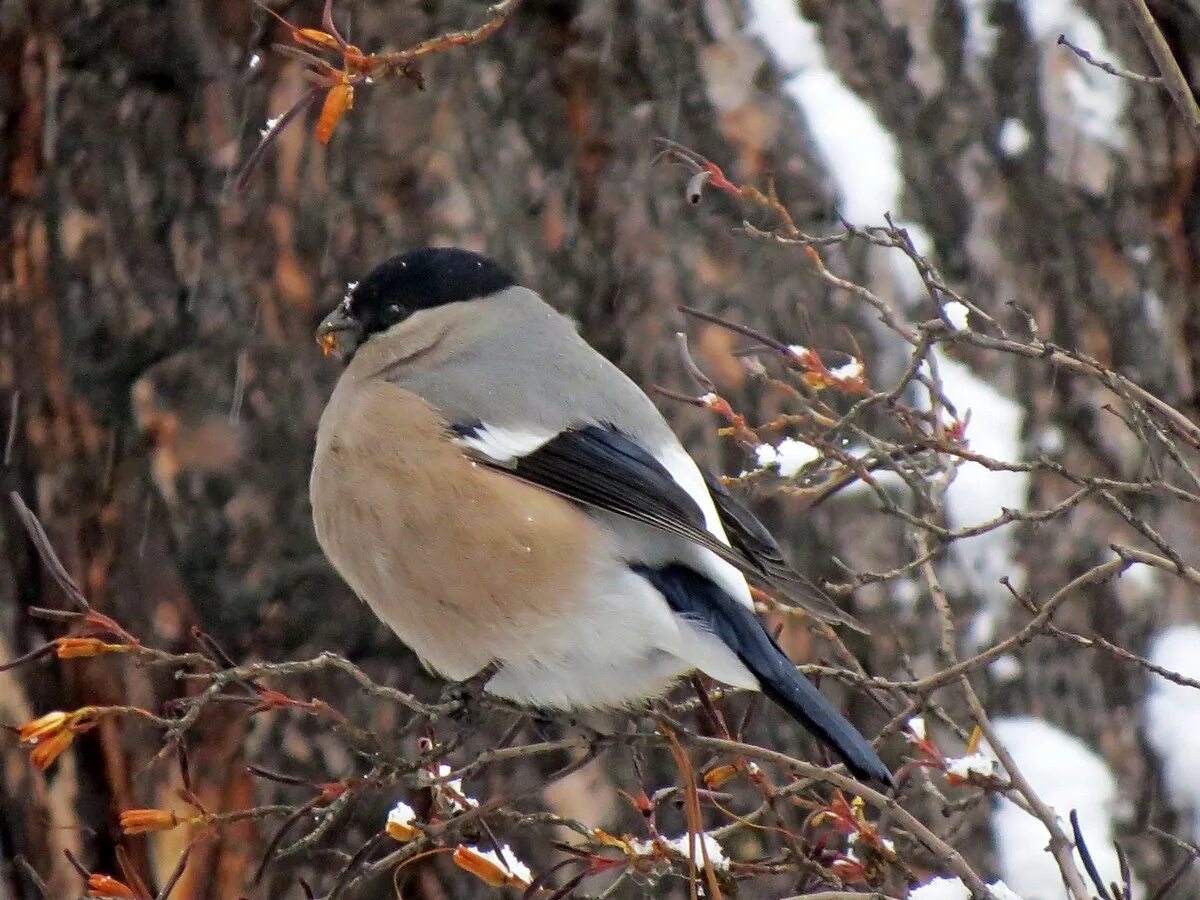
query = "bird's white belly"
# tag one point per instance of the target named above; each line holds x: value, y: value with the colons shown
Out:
x: 619, y: 647
x: 623, y: 645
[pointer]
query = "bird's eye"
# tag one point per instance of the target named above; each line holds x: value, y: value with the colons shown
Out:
x: 393, y: 309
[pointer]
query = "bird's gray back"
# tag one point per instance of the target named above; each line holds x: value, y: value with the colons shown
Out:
x: 514, y: 362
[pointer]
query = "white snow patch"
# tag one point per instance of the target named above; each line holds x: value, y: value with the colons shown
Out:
x: 1050, y: 440
x: 401, y: 814
x: 957, y: 313
x: 980, y: 33
x: 905, y: 591
x: 641, y: 847
x: 941, y: 889
x: 1067, y: 775
x: 863, y: 159
x: 847, y: 371
x: 1013, y: 138
x: 789, y: 457
x: 977, y: 764
x: 794, y: 455
x: 954, y: 889
x: 1137, y: 583
x: 981, y: 630
x: 269, y: 126
x: 1100, y: 106
x: 703, y: 843
x: 765, y: 455
x: 857, y: 150
x: 1005, y: 668
x: 1171, y: 713
x: 798, y: 351
x: 1141, y: 253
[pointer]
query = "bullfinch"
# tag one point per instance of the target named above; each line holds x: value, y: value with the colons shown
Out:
x: 503, y: 496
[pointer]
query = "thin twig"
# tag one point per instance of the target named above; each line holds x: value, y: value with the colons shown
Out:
x: 45, y: 550
x: 1107, y: 66
x: 1174, y: 79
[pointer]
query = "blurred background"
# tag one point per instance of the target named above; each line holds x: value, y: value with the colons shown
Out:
x: 160, y: 387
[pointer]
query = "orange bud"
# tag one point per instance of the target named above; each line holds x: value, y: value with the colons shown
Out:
x: 75, y: 647
x: 49, y: 749
x: 495, y: 867
x: 339, y: 99
x: 106, y: 886
x: 402, y: 833
x: 333, y: 789
x: 138, y: 821
x: 719, y: 775
x: 480, y: 866
x: 316, y: 37
x: 975, y: 739
x: 44, y: 726
x: 78, y: 647
x: 609, y: 840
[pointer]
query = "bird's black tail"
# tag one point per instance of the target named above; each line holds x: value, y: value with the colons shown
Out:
x: 786, y: 686
x: 692, y: 595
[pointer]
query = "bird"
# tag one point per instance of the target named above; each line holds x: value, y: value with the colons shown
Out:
x: 507, y: 500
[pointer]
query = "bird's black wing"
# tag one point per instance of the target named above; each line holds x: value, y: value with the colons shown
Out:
x: 751, y: 537
x: 602, y: 468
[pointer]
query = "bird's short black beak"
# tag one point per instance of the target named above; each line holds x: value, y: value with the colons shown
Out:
x: 339, y: 334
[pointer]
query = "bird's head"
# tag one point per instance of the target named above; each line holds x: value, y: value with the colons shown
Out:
x: 405, y: 284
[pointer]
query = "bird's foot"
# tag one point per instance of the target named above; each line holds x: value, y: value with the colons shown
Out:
x: 547, y: 728
x: 463, y: 696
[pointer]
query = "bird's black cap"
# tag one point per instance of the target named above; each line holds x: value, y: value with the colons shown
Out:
x: 422, y: 279
x: 405, y: 284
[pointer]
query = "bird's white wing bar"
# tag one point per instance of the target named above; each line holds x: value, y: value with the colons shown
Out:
x: 502, y: 445
x: 688, y: 476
